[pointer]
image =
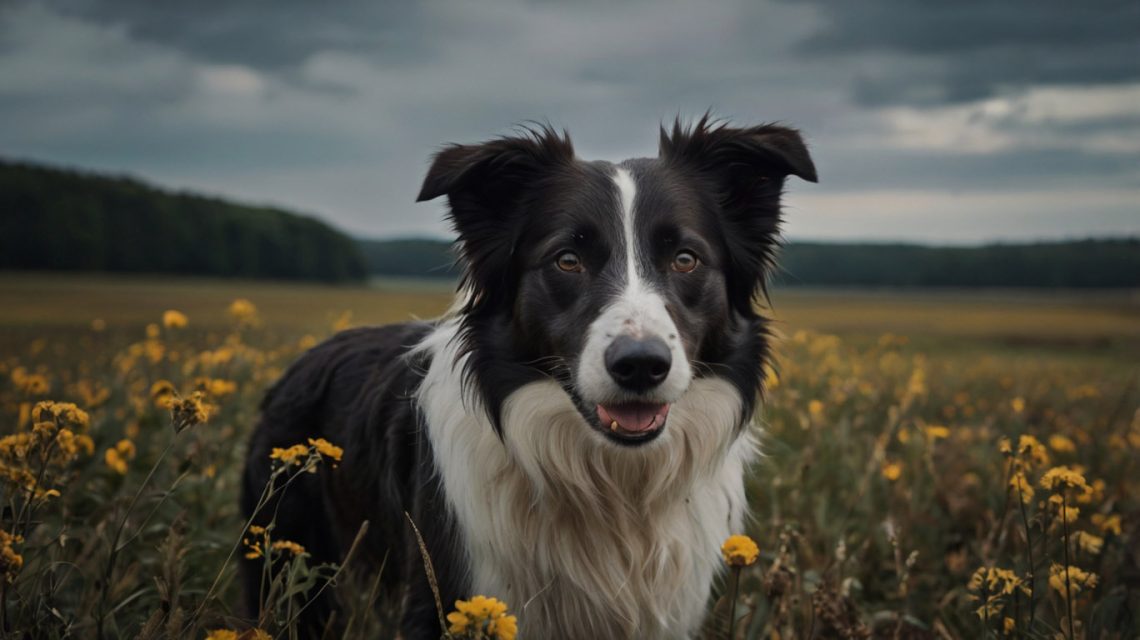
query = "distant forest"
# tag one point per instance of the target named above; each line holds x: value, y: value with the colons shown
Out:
x: 1076, y: 264
x: 53, y: 219
x: 1108, y: 263
x: 56, y: 219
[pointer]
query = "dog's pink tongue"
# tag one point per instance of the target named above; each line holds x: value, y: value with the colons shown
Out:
x: 633, y: 416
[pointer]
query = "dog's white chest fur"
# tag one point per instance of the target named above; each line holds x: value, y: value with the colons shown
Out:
x: 583, y: 538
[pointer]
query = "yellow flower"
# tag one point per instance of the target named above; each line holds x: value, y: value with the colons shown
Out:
x: 989, y: 609
x: 255, y: 547
x: 504, y: 627
x: 1061, y: 444
x: 1021, y: 486
x: 1018, y: 404
x: 482, y: 607
x: 1064, y: 513
x: 459, y: 622
x: 172, y: 319
x: 1078, y: 579
x: 1031, y: 450
x: 1008, y: 625
x: 1107, y: 524
x: 44, y: 430
x: 1061, y: 477
x: 1089, y: 543
x: 327, y: 449
x: 17, y: 445
x: 117, y: 457
x: 937, y: 432
x: 1005, y: 446
x: 92, y: 393
x: 222, y: 634
x: 243, y: 311
x: 162, y: 393
x: 296, y: 454
x: 33, y: 384
x: 214, y: 387
x: 994, y: 581
x: 290, y: 546
x: 343, y: 322
x: 10, y: 561
x: 891, y: 470
x: 739, y: 551
x: 188, y: 412
x: 115, y: 462
x: 152, y: 331
x: 126, y: 447
x: 815, y: 408
x: 484, y: 616
x: 64, y: 412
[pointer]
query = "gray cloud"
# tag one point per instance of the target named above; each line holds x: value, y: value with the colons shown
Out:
x: 335, y: 109
x: 937, y: 26
x: 264, y: 34
x: 930, y: 52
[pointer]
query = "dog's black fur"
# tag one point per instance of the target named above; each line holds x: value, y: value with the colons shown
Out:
x: 513, y: 202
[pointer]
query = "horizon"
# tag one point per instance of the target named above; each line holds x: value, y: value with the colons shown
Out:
x: 398, y: 237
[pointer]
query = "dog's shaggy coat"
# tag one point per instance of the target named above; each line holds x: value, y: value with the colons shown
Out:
x: 537, y: 469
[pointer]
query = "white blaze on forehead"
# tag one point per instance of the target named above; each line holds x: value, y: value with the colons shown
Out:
x: 638, y: 311
x: 627, y: 191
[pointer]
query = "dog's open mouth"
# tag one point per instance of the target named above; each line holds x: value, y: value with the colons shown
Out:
x: 633, y: 420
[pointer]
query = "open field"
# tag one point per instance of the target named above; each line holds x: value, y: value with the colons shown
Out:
x: 883, y: 491
x: 1075, y: 318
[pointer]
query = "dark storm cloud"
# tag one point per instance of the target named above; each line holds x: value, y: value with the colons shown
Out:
x: 270, y: 35
x: 934, y: 52
x: 938, y: 26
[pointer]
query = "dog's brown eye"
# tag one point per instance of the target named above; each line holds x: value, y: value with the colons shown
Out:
x: 684, y: 262
x: 570, y: 262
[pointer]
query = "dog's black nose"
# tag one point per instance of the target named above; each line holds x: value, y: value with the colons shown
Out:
x: 638, y: 365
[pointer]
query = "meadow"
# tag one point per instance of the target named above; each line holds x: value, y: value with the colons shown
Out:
x: 937, y: 465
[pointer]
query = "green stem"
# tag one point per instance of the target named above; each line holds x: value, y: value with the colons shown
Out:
x: 732, y: 607
x: 267, y: 494
x: 109, y: 570
x: 1068, y: 587
x: 1029, y: 552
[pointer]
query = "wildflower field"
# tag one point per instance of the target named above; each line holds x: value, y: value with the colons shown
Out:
x: 936, y: 466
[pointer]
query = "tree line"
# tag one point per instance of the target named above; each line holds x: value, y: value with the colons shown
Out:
x: 1077, y: 264
x: 57, y: 219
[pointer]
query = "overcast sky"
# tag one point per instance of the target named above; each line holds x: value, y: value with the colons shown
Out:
x: 942, y: 122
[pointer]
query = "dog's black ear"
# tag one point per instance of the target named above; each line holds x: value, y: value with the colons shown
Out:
x: 500, y: 167
x: 485, y: 185
x: 745, y: 168
x: 765, y: 152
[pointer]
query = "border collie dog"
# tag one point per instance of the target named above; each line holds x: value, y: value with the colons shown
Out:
x: 573, y: 436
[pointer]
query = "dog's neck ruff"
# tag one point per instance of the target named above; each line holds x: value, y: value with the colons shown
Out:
x: 582, y: 538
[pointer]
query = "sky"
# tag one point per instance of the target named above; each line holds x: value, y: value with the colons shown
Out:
x: 929, y: 121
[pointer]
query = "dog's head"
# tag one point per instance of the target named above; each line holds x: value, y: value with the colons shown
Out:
x: 622, y: 282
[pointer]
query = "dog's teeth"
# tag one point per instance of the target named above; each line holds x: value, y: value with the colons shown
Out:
x: 613, y: 425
